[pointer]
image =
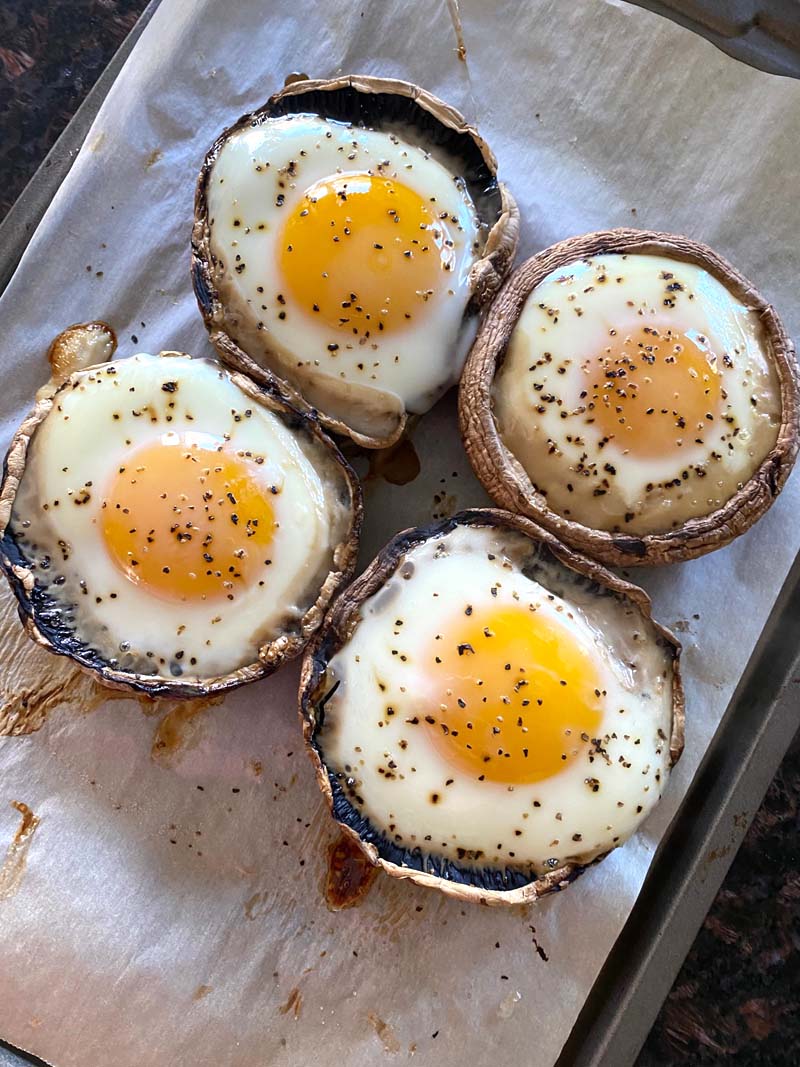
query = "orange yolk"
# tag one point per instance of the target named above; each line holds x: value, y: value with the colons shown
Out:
x: 518, y: 696
x: 187, y: 520
x: 362, y: 254
x: 652, y: 388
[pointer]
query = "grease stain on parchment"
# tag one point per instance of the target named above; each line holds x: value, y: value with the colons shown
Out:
x: 255, y: 905
x: 384, y: 1033
x: 16, y: 859
x: 461, y: 53
x: 458, y: 29
x: 293, y: 1003
x: 153, y: 158
x: 349, y: 875
x: 180, y: 730
x: 201, y: 992
x: 34, y: 682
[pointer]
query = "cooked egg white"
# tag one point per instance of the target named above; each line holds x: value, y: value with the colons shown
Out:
x: 637, y: 393
x: 494, y: 709
x: 178, y: 523
x: 342, y: 256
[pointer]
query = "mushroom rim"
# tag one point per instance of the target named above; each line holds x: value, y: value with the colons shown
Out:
x: 509, y: 485
x: 340, y: 622
x: 486, y: 276
x: 272, y: 654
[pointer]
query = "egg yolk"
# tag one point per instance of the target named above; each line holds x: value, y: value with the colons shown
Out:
x: 653, y: 388
x: 362, y: 254
x: 187, y: 520
x: 517, y: 696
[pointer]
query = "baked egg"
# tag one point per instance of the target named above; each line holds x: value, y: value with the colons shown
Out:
x: 489, y: 712
x: 171, y: 526
x: 347, y: 234
x: 640, y: 399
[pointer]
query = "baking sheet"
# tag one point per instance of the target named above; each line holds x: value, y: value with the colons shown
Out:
x: 141, y: 896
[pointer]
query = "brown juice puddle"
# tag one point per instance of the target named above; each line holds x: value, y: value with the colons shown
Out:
x: 13, y: 866
x: 294, y: 1004
x: 399, y: 464
x: 350, y: 874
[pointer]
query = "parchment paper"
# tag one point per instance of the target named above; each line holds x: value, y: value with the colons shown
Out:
x: 167, y: 908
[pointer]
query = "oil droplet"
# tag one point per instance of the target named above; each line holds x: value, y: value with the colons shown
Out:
x: 508, y: 1004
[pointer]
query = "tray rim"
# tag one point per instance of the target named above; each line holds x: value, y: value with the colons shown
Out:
x: 728, y: 787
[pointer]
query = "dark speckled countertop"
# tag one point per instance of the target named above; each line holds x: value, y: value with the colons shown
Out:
x: 737, y: 997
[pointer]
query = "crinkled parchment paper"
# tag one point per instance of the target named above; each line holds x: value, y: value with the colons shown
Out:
x: 168, y: 908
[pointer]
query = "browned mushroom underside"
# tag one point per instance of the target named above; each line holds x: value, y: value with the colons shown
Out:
x: 509, y: 484
x: 486, y: 275
x: 33, y: 602
x: 343, y: 618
